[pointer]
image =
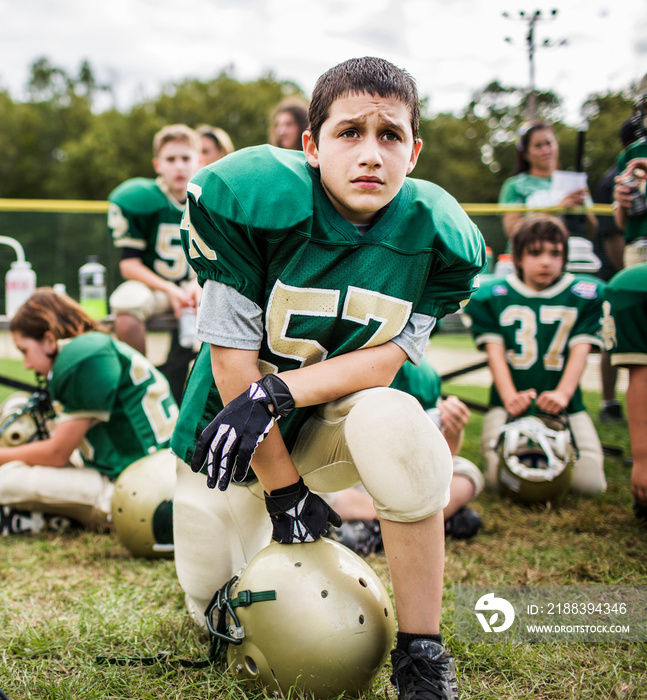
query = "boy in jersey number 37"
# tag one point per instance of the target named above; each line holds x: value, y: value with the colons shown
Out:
x: 322, y: 272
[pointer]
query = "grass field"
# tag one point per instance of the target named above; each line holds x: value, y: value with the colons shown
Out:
x: 67, y: 599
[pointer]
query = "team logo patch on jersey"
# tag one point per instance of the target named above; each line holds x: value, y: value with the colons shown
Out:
x: 499, y: 290
x: 586, y: 290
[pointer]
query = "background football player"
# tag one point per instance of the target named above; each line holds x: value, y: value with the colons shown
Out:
x: 537, y: 326
x: 625, y: 336
x: 144, y: 217
x: 117, y: 408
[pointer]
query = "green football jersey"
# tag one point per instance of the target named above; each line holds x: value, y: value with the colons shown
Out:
x: 260, y: 222
x: 128, y: 400
x: 142, y: 216
x: 537, y: 328
x: 636, y: 226
x: 624, y: 324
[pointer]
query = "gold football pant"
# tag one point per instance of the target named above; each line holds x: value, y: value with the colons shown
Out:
x: 379, y: 437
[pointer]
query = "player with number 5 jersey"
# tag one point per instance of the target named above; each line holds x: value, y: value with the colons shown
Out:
x: 144, y: 219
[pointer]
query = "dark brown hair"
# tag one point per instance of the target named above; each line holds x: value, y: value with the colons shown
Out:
x: 46, y: 310
x: 521, y: 164
x: 295, y: 106
x: 374, y: 76
x: 532, y: 232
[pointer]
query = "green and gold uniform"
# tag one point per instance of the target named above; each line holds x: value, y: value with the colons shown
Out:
x: 624, y: 324
x: 537, y: 328
x: 128, y: 400
x: 323, y: 288
x: 145, y: 222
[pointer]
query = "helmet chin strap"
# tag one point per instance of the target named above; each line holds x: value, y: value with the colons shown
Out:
x: 222, y: 634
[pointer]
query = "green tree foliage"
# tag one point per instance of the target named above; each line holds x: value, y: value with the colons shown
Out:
x: 606, y: 114
x: 56, y: 145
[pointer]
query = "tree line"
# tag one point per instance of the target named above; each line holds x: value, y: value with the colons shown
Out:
x: 55, y: 145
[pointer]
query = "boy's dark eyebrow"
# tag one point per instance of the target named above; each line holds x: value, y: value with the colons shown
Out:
x: 350, y: 122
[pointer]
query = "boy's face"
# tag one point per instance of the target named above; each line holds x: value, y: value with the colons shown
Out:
x: 365, y: 151
x: 176, y: 163
x: 542, y: 265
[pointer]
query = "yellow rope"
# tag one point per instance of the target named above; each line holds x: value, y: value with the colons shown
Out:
x: 74, y: 206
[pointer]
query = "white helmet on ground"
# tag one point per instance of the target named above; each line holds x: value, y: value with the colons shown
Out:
x: 536, y: 458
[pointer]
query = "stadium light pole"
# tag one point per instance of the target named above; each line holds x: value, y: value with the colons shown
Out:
x: 531, y: 19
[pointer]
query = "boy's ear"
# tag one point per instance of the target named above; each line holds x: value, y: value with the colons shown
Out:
x: 415, y: 152
x: 310, y: 149
x: 156, y: 165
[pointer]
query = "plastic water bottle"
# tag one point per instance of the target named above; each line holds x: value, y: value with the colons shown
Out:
x: 92, y: 288
x: 186, y: 327
x: 504, y: 265
x: 20, y: 283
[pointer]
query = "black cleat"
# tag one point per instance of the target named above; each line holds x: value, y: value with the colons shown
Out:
x: 465, y: 523
x: 360, y: 536
x: 25, y: 522
x: 640, y: 511
x: 611, y: 414
x: 425, y: 672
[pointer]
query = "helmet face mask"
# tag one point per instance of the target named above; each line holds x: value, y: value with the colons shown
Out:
x: 142, y: 505
x: 536, y: 458
x: 25, y: 418
x: 322, y: 620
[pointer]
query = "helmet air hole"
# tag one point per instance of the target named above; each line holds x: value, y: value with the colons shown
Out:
x: 361, y: 619
x: 363, y: 583
x: 297, y: 564
x: 251, y: 665
x: 386, y: 612
x: 324, y: 594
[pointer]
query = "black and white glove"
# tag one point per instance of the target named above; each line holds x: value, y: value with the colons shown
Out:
x: 298, y: 515
x: 227, y: 444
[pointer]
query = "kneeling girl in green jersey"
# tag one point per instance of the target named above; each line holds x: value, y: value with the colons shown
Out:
x: 117, y: 408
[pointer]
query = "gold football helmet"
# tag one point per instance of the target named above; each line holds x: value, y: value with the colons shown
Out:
x: 142, y: 505
x: 312, y: 615
x: 25, y: 417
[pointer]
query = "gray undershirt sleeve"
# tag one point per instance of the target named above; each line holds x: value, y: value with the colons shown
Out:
x: 414, y: 338
x: 228, y: 318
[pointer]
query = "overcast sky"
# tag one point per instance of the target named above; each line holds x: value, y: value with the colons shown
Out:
x: 451, y: 47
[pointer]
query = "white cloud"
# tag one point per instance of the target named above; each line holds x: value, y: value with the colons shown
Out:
x: 452, y: 48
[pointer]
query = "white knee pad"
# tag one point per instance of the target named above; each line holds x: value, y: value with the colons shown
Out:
x: 402, y: 458
x: 463, y: 467
x: 138, y: 300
